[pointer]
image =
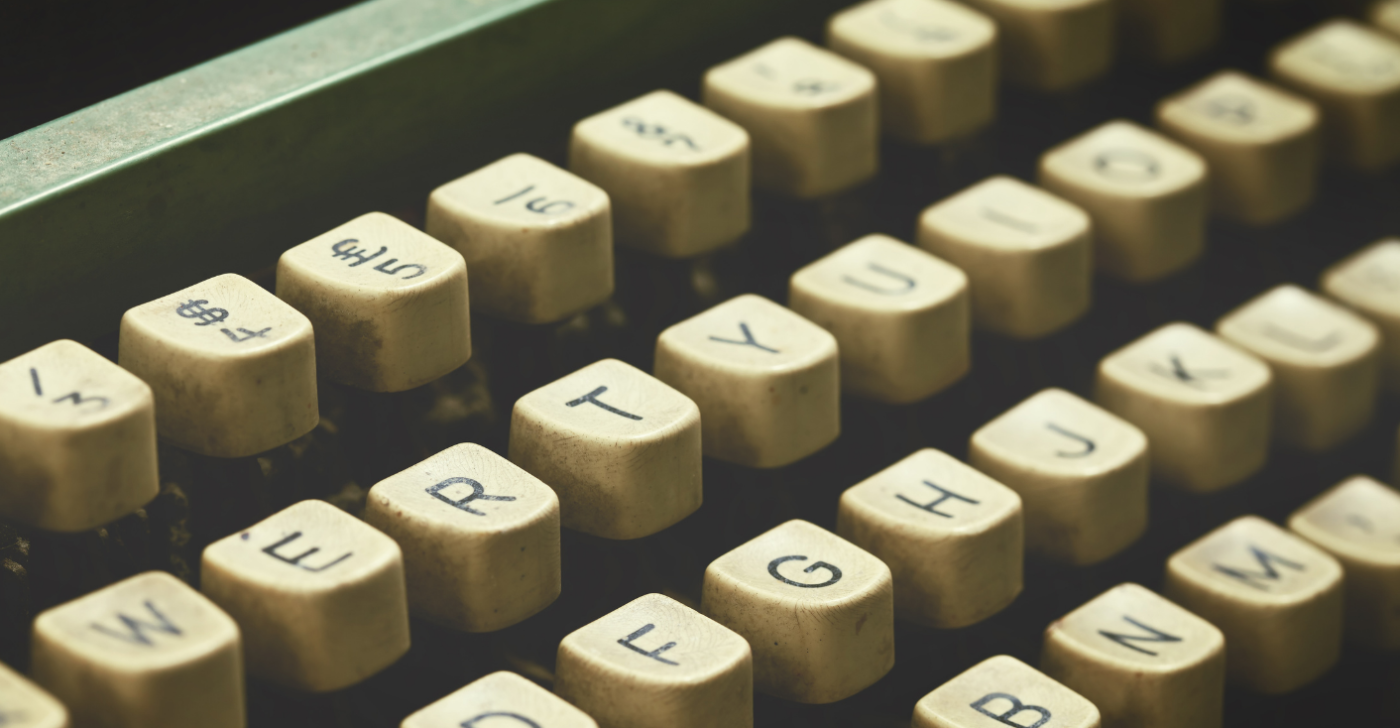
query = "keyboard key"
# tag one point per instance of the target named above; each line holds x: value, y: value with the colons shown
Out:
x: 1277, y: 598
x: 232, y: 367
x: 951, y: 536
x: 677, y: 173
x: 1081, y: 473
x: 1262, y: 144
x: 935, y: 61
x: 1027, y: 253
x: 1053, y: 45
x: 812, y: 116
x: 25, y: 705
x: 818, y: 611
x: 1145, y: 193
x: 1169, y: 31
x: 1358, y: 523
x: 77, y: 439
x: 502, y: 699
x: 145, y: 652
x: 899, y: 315
x: 1204, y: 405
x: 1324, y: 359
x: 480, y: 538
x: 1369, y: 282
x: 318, y: 594
x: 1141, y: 660
x: 620, y: 448
x: 1385, y: 14
x: 537, y: 240
x: 1002, y: 690
x: 765, y: 379
x: 657, y: 662
x: 1353, y: 73
x: 387, y: 302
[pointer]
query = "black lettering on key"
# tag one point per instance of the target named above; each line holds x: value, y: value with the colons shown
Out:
x: 592, y: 397
x: 1178, y: 371
x: 195, y: 310
x: 1017, y: 708
x: 1298, y: 341
x: 136, y: 630
x: 653, y: 654
x: 478, y: 493
x: 923, y: 33
x: 342, y: 251
x: 384, y: 268
x: 658, y: 132
x: 1267, y: 561
x: 1236, y: 109
x: 775, y: 563
x: 1089, y: 446
x: 34, y: 377
x: 1127, y: 165
x: 542, y: 205
x: 749, y: 340
x: 944, y: 494
x: 244, y: 334
x: 1360, y: 522
x: 906, y: 284
x: 1015, y: 223
x: 296, y: 560
x: 1153, y: 635
x: 76, y: 397
x: 474, y: 722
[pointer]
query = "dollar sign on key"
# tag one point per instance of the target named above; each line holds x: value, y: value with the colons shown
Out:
x: 207, y: 316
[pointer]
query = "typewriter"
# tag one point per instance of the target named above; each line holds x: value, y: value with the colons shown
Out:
x: 771, y: 459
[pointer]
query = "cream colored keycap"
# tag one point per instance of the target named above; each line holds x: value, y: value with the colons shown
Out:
x: 1204, y: 405
x: 935, y: 61
x: 318, y: 594
x: 77, y: 439
x: 818, y: 610
x: 388, y: 303
x: 1277, y: 598
x: 1081, y: 472
x: 899, y: 315
x: 1141, y: 660
x: 1145, y: 193
x: 1385, y: 14
x: 1028, y: 254
x: 1353, y: 73
x: 1369, y: 282
x: 537, y: 239
x: 1169, y: 31
x: 1053, y: 45
x: 677, y: 173
x: 146, y: 652
x: 1261, y: 143
x: 766, y: 380
x: 657, y: 662
x: 621, y: 449
x: 25, y: 705
x: 232, y: 367
x: 500, y: 700
x: 812, y: 116
x: 480, y: 538
x: 1324, y: 359
x: 1002, y: 690
x: 1358, y: 523
x: 951, y: 536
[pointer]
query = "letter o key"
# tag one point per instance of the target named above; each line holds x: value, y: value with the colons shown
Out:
x: 773, y: 570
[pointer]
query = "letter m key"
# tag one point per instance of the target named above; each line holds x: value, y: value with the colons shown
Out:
x: 1015, y: 714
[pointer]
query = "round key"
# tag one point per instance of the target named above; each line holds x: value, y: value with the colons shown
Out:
x: 812, y: 115
x: 1053, y: 45
x: 232, y: 367
x: 537, y: 240
x: 1028, y: 254
x: 1145, y: 193
x: 146, y: 652
x: 1325, y: 362
x: 1142, y: 660
x: 500, y: 699
x: 1003, y: 691
x: 899, y: 316
x: 480, y: 538
x: 318, y: 594
x: 677, y: 173
x: 1276, y: 597
x: 77, y: 439
x: 1369, y: 283
x: 26, y: 705
x: 1352, y: 71
x: 657, y: 662
x: 935, y: 61
x: 952, y: 537
x: 1169, y: 31
x: 388, y: 303
x: 1261, y: 142
x: 818, y: 611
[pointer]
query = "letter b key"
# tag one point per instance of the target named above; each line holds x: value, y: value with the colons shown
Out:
x: 983, y: 696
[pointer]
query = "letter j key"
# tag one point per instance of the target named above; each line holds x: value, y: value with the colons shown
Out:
x: 1003, y: 691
